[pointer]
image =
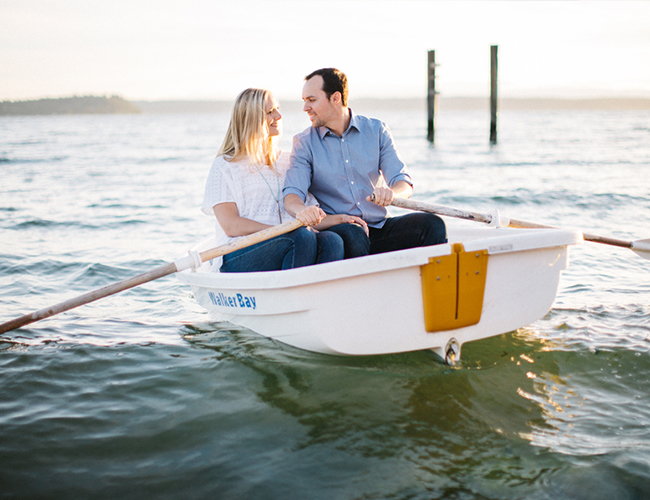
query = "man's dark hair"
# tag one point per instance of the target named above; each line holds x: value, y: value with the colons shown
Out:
x: 333, y: 81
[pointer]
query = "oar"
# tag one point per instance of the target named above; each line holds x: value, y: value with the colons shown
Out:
x: 640, y: 247
x: 192, y: 261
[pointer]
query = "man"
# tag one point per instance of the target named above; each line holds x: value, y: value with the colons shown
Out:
x: 350, y: 164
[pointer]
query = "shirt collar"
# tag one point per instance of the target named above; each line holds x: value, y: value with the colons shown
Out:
x: 323, y: 131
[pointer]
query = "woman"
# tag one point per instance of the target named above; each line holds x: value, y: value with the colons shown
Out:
x: 244, y: 192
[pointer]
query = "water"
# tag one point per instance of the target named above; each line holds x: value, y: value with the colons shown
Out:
x: 140, y: 395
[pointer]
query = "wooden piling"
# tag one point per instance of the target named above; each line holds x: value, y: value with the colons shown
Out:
x: 432, y: 96
x: 493, y: 93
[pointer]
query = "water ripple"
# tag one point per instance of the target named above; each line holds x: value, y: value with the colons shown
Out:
x: 140, y: 395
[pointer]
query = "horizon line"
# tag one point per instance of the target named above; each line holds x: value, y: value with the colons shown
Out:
x: 388, y: 98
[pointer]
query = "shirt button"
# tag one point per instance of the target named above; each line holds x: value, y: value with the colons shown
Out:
x: 351, y: 182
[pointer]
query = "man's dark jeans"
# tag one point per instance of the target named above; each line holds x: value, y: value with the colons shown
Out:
x: 398, y: 233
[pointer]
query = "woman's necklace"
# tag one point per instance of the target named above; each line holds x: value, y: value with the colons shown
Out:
x: 276, y: 198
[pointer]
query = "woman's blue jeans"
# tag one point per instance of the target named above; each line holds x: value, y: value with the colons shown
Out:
x: 302, y: 247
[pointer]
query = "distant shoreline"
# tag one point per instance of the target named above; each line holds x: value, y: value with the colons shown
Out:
x: 75, y: 105
x: 118, y: 105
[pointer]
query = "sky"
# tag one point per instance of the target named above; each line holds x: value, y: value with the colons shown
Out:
x: 213, y: 49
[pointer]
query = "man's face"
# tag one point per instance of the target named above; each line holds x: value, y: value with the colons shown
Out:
x: 320, y: 109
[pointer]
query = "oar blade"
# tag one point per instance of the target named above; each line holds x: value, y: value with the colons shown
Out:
x: 642, y: 248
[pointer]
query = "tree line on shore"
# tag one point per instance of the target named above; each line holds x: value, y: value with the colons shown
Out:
x: 77, y: 105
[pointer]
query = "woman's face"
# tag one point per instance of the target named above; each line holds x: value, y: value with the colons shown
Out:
x: 273, y: 116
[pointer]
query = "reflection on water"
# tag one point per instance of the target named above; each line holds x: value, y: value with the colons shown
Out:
x: 408, y: 405
x: 478, y: 417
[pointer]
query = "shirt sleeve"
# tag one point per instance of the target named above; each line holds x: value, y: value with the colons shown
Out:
x: 390, y: 164
x: 311, y: 201
x: 299, y: 175
x: 218, y: 187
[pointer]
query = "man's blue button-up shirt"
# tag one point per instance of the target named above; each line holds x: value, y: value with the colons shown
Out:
x: 342, y: 171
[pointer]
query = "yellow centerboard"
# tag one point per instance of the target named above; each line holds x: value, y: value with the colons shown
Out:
x: 453, y: 287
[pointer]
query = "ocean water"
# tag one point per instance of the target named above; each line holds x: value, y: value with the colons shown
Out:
x: 140, y: 395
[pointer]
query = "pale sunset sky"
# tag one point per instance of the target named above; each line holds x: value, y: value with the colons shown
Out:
x: 212, y: 49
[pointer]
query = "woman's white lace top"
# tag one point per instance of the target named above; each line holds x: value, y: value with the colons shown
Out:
x: 254, y: 191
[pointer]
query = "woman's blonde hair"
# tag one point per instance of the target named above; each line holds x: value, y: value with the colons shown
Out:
x: 248, y: 132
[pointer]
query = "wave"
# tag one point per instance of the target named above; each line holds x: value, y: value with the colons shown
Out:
x: 127, y: 206
x: 43, y: 223
x: 36, y: 277
x: 528, y: 197
x: 146, y: 161
x: 53, y: 159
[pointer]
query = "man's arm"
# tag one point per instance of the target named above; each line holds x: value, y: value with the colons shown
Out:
x: 298, y: 177
x: 394, y: 171
x: 310, y: 216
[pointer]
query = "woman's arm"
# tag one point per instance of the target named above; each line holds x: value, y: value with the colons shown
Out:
x: 232, y: 224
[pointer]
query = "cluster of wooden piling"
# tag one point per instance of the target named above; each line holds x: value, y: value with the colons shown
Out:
x: 432, y: 95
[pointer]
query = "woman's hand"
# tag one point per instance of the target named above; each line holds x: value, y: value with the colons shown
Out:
x: 351, y: 219
x: 310, y: 216
x: 334, y: 220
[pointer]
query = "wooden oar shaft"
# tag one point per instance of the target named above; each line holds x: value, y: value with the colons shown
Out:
x: 441, y: 210
x: 88, y: 297
x: 640, y: 248
x: 607, y: 240
x: 246, y: 241
x: 594, y: 238
x: 152, y: 275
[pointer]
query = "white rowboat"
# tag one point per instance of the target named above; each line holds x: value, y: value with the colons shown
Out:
x: 484, y: 282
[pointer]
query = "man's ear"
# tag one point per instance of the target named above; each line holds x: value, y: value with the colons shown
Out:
x: 335, y: 97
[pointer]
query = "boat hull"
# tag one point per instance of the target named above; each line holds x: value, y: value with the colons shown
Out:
x: 376, y: 305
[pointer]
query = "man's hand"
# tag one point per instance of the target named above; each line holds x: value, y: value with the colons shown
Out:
x: 382, y: 196
x: 310, y: 216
